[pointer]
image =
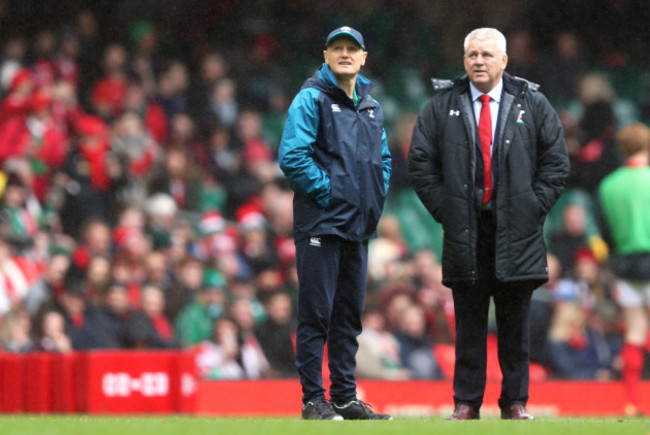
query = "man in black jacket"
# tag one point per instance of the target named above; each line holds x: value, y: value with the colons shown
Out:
x: 488, y: 160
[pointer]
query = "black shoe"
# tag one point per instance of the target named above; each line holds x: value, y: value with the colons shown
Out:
x: 463, y: 411
x: 358, y: 410
x: 319, y: 410
x: 516, y: 411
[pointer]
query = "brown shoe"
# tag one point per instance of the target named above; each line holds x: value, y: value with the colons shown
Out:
x: 516, y: 412
x: 464, y: 412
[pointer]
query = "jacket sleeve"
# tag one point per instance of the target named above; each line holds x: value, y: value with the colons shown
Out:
x: 552, y: 156
x: 424, y: 169
x: 386, y: 159
x: 297, y: 148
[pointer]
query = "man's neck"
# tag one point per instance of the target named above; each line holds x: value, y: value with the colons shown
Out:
x: 347, y: 84
x: 494, y: 92
x: 639, y: 160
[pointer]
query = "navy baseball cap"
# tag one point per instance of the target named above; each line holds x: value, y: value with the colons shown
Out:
x: 345, y: 31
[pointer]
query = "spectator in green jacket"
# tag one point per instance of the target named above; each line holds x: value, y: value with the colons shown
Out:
x: 195, y: 323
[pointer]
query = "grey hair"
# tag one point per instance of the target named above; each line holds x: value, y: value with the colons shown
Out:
x: 486, y: 33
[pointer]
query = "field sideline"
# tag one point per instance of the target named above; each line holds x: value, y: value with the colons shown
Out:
x: 66, y: 425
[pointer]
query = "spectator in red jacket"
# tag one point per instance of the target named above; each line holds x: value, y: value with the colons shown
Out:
x: 87, y: 179
x: 16, y: 99
x: 36, y: 137
x: 108, y: 93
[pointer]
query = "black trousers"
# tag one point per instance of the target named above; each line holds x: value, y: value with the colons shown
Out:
x: 332, y: 274
x: 471, y: 305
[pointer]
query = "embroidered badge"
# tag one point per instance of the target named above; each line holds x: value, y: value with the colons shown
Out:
x: 315, y: 241
x: 520, y: 118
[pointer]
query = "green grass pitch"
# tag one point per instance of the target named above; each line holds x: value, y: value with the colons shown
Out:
x: 92, y: 425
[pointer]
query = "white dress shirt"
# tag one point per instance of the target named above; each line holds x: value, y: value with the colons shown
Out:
x: 495, y: 101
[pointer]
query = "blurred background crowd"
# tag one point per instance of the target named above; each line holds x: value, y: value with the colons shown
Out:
x: 142, y: 205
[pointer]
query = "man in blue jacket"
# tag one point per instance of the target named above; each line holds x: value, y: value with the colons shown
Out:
x: 335, y: 153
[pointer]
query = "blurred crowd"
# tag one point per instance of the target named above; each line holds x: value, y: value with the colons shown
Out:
x: 143, y: 207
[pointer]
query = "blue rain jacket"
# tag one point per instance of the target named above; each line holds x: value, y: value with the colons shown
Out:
x: 336, y: 157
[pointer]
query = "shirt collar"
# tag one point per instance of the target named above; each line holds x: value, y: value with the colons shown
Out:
x: 495, y: 93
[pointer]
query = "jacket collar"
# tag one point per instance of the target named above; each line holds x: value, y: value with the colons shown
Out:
x: 363, y: 85
x: 511, y: 84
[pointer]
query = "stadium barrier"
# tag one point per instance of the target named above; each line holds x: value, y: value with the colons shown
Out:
x: 102, y: 382
x: 165, y: 382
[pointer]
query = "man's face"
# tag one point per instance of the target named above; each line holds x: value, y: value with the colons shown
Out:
x: 484, y: 64
x: 345, y: 57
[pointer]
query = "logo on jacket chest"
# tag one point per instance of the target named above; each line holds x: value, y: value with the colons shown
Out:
x: 520, y: 118
x: 335, y: 108
x: 454, y: 112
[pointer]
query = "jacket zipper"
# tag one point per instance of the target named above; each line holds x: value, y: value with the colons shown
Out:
x: 362, y: 178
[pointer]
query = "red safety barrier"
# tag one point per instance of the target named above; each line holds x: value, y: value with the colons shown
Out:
x: 66, y: 398
x: 415, y: 398
x: 185, y: 382
x: 12, y: 383
x: 129, y: 382
x: 38, y: 382
x: 102, y: 382
x: 245, y: 398
x: 160, y: 382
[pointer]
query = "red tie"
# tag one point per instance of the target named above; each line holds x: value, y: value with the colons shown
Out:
x: 485, y: 135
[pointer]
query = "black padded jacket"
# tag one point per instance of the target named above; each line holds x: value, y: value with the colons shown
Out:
x: 531, y: 168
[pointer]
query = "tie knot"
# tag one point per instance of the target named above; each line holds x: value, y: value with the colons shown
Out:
x: 485, y: 98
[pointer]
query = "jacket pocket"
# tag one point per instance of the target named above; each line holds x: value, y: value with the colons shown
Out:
x: 337, y: 190
x: 526, y: 214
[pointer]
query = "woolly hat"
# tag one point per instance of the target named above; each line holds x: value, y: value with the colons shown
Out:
x: 250, y: 217
x: 39, y: 100
x: 213, y: 279
x: 123, y: 236
x: 140, y: 29
x: 584, y: 254
x: 211, y: 222
x: 286, y: 249
x: 161, y: 204
x: 89, y: 125
x: 257, y: 151
x: 22, y: 75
